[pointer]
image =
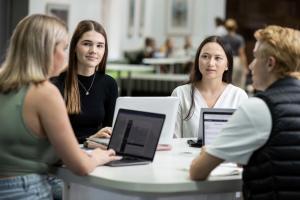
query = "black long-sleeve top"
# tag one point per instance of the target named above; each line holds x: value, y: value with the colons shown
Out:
x: 97, y: 108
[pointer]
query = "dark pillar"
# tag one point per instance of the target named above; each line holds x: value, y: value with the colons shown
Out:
x: 11, y: 12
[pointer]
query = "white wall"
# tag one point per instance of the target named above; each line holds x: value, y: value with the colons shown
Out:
x: 79, y: 9
x: 203, y: 15
x: 205, y: 12
x: 113, y: 14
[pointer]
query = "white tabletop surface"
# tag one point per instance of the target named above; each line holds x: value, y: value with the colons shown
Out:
x: 162, y: 77
x: 167, y: 174
x: 130, y: 67
x: 166, y: 61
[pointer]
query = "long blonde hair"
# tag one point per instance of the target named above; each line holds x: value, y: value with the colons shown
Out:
x: 30, y: 53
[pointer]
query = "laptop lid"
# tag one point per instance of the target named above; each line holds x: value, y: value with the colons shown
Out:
x: 136, y: 133
x: 164, y: 105
x: 212, y: 120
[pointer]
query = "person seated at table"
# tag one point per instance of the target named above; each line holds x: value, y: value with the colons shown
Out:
x: 167, y: 49
x: 35, y: 130
x: 148, y: 51
x: 150, y: 48
x: 209, y: 86
x: 188, y: 47
x: 263, y: 134
x: 189, y: 51
x: 89, y: 93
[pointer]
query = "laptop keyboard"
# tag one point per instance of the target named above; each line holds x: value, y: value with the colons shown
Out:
x: 126, y: 161
x: 130, y: 158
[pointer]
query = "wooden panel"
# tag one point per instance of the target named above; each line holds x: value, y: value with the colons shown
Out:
x: 255, y: 14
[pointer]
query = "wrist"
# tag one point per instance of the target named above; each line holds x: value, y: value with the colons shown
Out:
x: 94, y: 158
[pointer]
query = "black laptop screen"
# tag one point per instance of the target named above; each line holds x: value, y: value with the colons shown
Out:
x: 136, y: 133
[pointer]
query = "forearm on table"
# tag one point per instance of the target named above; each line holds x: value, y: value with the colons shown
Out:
x: 202, y: 165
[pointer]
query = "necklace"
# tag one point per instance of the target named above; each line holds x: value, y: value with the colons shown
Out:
x: 87, y: 91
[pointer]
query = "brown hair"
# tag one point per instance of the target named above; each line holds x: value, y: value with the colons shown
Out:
x: 71, y: 90
x: 196, y: 76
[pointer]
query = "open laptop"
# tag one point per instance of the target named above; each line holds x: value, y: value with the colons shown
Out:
x: 212, y: 120
x: 135, y: 137
x: 164, y: 105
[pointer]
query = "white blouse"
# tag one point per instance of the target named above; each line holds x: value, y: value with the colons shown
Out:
x: 231, y: 97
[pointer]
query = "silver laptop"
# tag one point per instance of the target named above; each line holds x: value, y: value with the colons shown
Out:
x: 212, y: 120
x: 164, y: 105
x: 135, y: 137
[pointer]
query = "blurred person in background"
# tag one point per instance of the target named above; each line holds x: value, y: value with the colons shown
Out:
x: 237, y: 44
x: 167, y: 49
x: 190, y: 52
x: 220, y: 28
x: 150, y: 48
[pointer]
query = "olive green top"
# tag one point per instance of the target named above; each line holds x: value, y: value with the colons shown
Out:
x: 21, y: 151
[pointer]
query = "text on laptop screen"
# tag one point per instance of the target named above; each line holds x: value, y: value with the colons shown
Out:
x: 213, y: 124
x: 136, y: 133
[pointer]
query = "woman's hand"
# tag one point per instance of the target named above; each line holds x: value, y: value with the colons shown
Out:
x: 103, y: 133
x: 104, y: 156
x: 93, y: 145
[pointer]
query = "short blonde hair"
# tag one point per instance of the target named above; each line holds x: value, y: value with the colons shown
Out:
x: 284, y: 45
x: 30, y: 53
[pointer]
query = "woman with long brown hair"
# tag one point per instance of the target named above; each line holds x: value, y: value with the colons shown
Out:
x: 89, y: 93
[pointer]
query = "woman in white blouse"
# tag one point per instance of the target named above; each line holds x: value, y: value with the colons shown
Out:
x: 209, y: 86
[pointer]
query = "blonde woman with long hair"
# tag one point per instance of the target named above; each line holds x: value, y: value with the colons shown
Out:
x: 35, y: 129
